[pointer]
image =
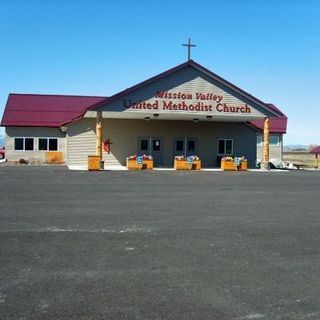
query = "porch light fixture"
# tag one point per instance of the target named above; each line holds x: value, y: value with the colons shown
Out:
x: 196, y: 120
x: 147, y: 118
x: 209, y: 117
x: 156, y: 115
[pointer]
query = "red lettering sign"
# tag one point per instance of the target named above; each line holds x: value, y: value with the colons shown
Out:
x: 177, y: 101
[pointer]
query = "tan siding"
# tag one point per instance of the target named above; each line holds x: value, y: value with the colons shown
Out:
x: 31, y: 132
x: 275, y: 151
x: 124, y: 135
x: 188, y: 80
x: 81, y: 142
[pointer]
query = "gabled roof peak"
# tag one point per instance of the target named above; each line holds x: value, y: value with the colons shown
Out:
x: 53, y: 110
x: 200, y: 68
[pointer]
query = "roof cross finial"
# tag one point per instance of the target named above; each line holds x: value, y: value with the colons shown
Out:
x: 189, y: 45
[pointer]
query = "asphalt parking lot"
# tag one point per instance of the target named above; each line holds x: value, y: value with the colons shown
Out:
x: 159, y: 245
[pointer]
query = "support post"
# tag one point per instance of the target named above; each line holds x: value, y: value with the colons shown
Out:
x: 99, y: 135
x: 266, y: 134
x: 316, y: 162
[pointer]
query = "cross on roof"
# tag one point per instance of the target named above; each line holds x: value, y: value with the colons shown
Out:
x: 189, y: 45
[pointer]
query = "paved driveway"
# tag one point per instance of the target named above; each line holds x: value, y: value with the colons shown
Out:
x: 159, y: 245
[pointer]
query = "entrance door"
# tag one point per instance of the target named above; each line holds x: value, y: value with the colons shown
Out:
x: 144, y: 146
x: 156, y: 151
x: 185, y: 146
x: 179, y: 147
x: 191, y: 147
x: 152, y: 146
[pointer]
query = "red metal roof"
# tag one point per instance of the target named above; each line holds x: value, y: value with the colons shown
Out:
x: 315, y: 150
x: 277, y: 125
x: 35, y: 110
x: 56, y: 110
x: 41, y: 110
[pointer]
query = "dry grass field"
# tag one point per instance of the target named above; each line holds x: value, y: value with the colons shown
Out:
x: 300, y: 157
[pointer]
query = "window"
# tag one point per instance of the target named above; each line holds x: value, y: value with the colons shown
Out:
x: 225, y: 146
x: 53, y: 144
x: 43, y: 144
x: 221, y: 146
x: 259, y: 139
x: 273, y: 140
x: 191, y: 146
x: 18, y: 144
x: 24, y: 144
x: 228, y: 147
x: 48, y: 144
x: 180, y: 145
x: 185, y: 146
x: 144, y: 145
x: 28, y: 144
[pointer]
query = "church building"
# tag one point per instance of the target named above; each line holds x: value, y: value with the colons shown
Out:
x: 187, y: 110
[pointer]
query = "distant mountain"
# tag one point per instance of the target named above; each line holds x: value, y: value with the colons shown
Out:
x: 296, y: 147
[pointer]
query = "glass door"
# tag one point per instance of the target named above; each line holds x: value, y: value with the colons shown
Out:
x: 152, y: 146
x: 156, y: 151
x: 179, y: 147
x: 191, y: 147
x: 185, y: 146
x: 144, y: 146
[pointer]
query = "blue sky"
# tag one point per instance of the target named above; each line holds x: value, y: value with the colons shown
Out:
x: 269, y: 48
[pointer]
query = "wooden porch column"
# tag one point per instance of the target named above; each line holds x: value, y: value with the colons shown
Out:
x: 266, y: 134
x: 99, y: 135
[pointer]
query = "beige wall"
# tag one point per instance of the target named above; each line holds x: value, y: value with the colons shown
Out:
x: 275, y: 151
x: 81, y: 142
x: 189, y: 81
x: 31, y: 132
x: 124, y: 135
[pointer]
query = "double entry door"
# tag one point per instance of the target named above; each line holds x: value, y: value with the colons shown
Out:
x: 152, y: 146
x: 185, y: 146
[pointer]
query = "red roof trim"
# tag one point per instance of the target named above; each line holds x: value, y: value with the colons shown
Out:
x: 282, y: 128
x: 232, y: 86
x: 130, y: 89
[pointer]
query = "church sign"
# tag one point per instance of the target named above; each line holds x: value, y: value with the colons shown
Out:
x: 187, y: 102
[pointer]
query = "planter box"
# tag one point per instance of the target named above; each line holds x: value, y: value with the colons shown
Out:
x: 228, y: 165
x: 243, y: 166
x: 93, y: 163
x: 148, y: 164
x: 133, y: 165
x: 54, y: 157
x: 183, y: 165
